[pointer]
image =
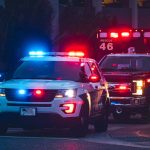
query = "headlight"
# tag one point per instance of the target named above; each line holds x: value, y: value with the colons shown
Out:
x: 139, y: 85
x: 66, y: 93
x: 2, y: 92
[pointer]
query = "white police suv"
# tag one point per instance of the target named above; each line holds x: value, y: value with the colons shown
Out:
x: 55, y: 90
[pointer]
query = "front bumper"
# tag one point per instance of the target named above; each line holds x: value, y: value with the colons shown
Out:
x: 38, y: 121
x: 129, y: 104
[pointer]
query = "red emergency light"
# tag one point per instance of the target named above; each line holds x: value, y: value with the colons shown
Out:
x: 114, y: 35
x: 125, y: 34
x: 122, y: 87
x: 148, y: 80
x: 94, y: 78
x: 38, y: 92
x: 76, y: 54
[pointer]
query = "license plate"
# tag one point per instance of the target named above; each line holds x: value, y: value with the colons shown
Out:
x: 136, y: 102
x: 28, y: 112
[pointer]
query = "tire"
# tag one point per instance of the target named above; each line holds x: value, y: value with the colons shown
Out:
x: 3, y: 130
x: 101, y: 123
x: 81, y: 128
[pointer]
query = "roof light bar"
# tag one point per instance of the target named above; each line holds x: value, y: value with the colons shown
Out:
x: 76, y: 54
x: 125, y: 34
x: 71, y: 54
x: 114, y: 34
x: 37, y: 53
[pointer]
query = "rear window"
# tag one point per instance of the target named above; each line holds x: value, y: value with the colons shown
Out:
x: 113, y: 63
x: 51, y: 70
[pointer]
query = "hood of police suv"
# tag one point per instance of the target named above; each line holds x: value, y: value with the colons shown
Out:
x: 39, y: 84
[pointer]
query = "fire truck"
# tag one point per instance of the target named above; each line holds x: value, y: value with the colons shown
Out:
x: 120, y: 39
x: 125, y: 62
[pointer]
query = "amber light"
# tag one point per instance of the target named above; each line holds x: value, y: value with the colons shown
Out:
x: 68, y: 108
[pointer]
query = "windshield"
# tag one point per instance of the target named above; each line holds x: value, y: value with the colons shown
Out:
x: 53, y: 70
x: 113, y: 63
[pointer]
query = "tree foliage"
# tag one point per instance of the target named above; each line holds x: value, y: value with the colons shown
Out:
x: 20, y: 21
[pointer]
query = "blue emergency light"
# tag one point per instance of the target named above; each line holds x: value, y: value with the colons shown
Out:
x: 21, y: 92
x: 37, y: 53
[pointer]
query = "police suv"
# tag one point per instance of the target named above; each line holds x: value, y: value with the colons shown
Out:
x: 55, y: 90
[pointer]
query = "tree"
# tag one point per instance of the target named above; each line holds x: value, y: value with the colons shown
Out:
x: 24, y: 20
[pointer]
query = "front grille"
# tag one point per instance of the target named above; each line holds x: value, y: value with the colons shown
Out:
x: 113, y: 91
x: 12, y: 95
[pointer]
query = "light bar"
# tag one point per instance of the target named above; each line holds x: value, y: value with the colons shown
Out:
x: 136, y: 34
x: 76, y: 54
x: 71, y: 54
x: 125, y: 34
x: 103, y: 34
x: 37, y: 53
x: 114, y: 34
x: 146, y: 34
x: 22, y: 92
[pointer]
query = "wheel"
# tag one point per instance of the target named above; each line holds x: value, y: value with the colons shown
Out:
x: 3, y: 130
x: 101, y: 123
x: 81, y: 129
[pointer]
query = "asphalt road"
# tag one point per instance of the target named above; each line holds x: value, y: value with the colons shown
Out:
x: 132, y: 135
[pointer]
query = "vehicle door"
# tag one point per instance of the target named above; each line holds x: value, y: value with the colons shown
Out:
x: 98, y: 87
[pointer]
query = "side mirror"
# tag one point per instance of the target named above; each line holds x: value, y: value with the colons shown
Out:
x: 94, y: 78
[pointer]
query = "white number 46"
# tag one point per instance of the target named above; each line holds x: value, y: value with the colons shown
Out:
x: 106, y: 46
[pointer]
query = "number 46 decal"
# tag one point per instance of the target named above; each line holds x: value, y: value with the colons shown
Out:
x: 106, y: 46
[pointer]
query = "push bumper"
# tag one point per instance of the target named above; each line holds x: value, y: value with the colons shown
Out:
x: 129, y: 104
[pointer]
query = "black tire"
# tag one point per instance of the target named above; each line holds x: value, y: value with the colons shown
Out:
x: 81, y: 128
x: 101, y: 123
x: 3, y: 130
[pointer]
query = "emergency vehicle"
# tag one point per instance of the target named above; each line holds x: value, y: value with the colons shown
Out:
x: 56, y: 89
x: 125, y: 63
x: 118, y: 40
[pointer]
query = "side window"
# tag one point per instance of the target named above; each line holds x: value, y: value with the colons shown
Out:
x: 87, y: 70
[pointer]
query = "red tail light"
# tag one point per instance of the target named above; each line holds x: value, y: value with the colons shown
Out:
x: 94, y: 78
x: 68, y: 108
